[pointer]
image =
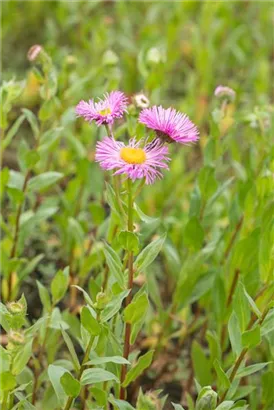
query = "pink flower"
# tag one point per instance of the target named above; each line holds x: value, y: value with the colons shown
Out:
x: 169, y: 124
x: 104, y: 111
x: 137, y: 160
x: 223, y: 91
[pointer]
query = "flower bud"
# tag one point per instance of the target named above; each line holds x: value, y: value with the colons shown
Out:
x: 16, y: 338
x: 16, y: 308
x: 207, y: 399
x: 141, y: 101
x: 101, y: 300
x: 34, y: 52
x: 223, y: 91
x: 148, y: 401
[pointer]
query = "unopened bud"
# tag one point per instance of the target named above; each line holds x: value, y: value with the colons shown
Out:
x: 207, y: 399
x: 148, y: 401
x: 101, y: 300
x: 16, y: 338
x: 16, y: 308
x: 34, y: 52
x: 223, y: 91
x: 141, y: 101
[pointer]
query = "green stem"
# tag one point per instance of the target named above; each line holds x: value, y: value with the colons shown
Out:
x: 82, y: 368
x: 130, y: 285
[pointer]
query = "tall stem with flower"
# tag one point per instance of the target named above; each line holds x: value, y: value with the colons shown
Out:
x: 137, y: 160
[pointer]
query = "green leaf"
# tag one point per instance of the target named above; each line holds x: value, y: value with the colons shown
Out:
x: 219, y: 192
x: 145, y: 218
x: 114, y: 306
x: 44, y: 296
x: 31, y: 158
x: 42, y: 181
x: 214, y: 346
x: 226, y: 405
x: 71, y: 349
x: 89, y: 322
x: 16, y: 180
x: 252, y: 337
x: 193, y: 233
x: 247, y: 371
x: 241, y: 307
x: 86, y: 295
x: 136, y: 310
x: 223, y: 379
x: 147, y: 256
x: 7, y: 381
x: 266, y: 245
x: 121, y: 404
x: 59, y: 285
x: 70, y: 385
x: 268, y: 323
x: 49, y: 138
x: 177, y: 406
x: 30, y: 266
x: 12, y: 131
x: 97, y: 375
x: 235, y: 335
x: 143, y: 363
x: 21, y: 358
x: 129, y: 241
x: 207, y: 182
x: 32, y: 121
x: 113, y: 202
x: 201, y: 364
x: 115, y: 265
x: 245, y: 254
x: 5, y: 358
x: 55, y: 373
x: 111, y: 359
x: 4, y: 178
x: 252, y: 304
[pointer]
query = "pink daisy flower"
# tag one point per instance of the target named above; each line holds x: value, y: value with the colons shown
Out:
x: 103, y: 111
x: 136, y: 160
x: 169, y: 124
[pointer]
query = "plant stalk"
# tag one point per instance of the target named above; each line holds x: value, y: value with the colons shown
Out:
x: 244, y: 351
x: 129, y: 297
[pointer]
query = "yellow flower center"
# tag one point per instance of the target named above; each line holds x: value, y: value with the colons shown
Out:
x: 106, y: 111
x: 133, y: 155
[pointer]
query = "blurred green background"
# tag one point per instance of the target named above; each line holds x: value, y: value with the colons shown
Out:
x: 178, y: 51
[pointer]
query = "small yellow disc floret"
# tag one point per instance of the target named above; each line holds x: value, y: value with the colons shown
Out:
x: 133, y: 155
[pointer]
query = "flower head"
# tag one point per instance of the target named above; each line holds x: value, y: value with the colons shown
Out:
x: 136, y: 160
x: 103, y: 111
x: 223, y: 91
x: 169, y: 124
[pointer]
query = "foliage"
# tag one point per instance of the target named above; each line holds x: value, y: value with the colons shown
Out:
x: 201, y: 316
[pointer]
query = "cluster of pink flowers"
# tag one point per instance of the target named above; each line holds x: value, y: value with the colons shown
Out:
x: 137, y: 159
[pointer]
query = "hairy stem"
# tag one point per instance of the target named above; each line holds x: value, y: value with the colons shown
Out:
x: 130, y: 285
